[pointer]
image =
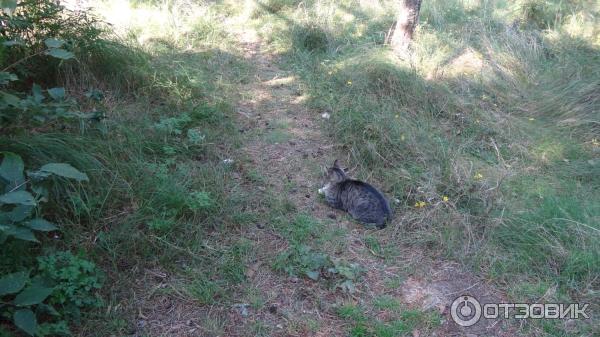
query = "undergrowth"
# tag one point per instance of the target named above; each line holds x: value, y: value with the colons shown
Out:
x: 151, y: 124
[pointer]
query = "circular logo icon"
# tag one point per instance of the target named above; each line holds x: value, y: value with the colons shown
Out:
x: 465, y: 310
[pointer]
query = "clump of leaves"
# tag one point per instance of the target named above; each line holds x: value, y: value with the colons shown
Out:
x: 20, y: 110
x: 173, y: 125
x: 61, y: 279
x: 29, y: 25
x: 195, y: 137
x: 199, y: 201
x: 303, y: 260
x: 22, y: 196
x: 76, y: 282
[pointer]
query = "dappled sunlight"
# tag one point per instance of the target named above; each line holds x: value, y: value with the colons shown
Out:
x: 186, y: 26
x: 278, y: 81
x: 549, y: 152
x: 583, y: 26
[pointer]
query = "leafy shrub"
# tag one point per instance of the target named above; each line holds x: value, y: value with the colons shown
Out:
x: 93, y: 57
x: 173, y: 125
x: 20, y: 111
x: 28, y: 26
x: 21, y: 196
x: 61, y: 279
x: 76, y: 282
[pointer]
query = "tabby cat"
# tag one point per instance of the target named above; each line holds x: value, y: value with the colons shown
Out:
x: 364, y: 202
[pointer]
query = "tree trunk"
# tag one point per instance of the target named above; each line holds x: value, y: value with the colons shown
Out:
x: 408, y: 17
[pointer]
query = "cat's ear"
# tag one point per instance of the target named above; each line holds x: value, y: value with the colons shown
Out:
x: 336, y: 164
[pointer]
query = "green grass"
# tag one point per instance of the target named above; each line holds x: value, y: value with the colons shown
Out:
x: 487, y: 134
x: 495, y: 109
x: 158, y: 184
x: 403, y: 323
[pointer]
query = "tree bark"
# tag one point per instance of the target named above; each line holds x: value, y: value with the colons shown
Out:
x: 408, y: 17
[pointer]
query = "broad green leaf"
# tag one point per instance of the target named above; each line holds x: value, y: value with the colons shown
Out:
x: 36, y: 90
x: 11, y: 170
x: 32, y: 295
x: 41, y: 192
x: 54, y: 43
x: 25, y: 320
x: 10, y: 99
x: 313, y: 275
x: 7, y: 228
x: 6, y: 77
x: 13, y: 43
x: 46, y: 308
x: 58, y: 94
x: 19, y: 232
x: 12, y: 283
x: 64, y: 170
x: 23, y: 233
x: 41, y: 225
x: 60, y: 53
x: 19, y: 213
x: 38, y: 175
x: 18, y: 197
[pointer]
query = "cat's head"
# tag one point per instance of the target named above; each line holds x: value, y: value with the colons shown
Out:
x: 335, y: 175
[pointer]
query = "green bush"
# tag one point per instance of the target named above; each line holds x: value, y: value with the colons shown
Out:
x: 76, y: 282
x: 62, y: 284
x: 93, y: 57
x: 30, y: 23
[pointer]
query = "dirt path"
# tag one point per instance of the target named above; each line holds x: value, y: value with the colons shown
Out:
x: 286, y: 145
x: 284, y: 151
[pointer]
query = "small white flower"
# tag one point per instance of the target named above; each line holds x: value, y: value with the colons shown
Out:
x: 228, y: 161
x: 325, y: 115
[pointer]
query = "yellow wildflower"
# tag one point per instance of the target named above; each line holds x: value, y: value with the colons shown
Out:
x: 478, y: 176
x: 445, y: 198
x: 330, y: 73
x: 349, y: 82
x: 420, y: 204
x: 531, y: 118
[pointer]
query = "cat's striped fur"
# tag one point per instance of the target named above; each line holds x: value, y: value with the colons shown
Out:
x: 364, y: 202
